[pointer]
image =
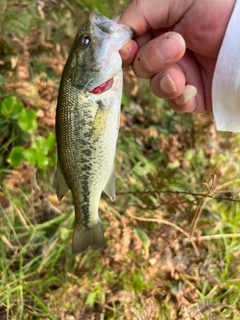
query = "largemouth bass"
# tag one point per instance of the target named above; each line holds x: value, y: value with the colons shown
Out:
x: 87, y: 123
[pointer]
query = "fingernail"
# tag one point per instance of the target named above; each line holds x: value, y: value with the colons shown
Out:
x: 170, y: 46
x: 167, y: 85
x: 188, y: 93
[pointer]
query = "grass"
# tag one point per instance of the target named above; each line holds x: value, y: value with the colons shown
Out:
x: 172, y: 233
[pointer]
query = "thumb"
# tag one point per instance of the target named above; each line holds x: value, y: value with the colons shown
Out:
x: 143, y: 15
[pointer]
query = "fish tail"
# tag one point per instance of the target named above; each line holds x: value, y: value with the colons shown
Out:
x: 84, y: 238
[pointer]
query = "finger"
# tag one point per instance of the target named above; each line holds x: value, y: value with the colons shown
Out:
x: 168, y: 84
x: 128, y: 53
x: 187, y: 101
x: 182, y: 85
x: 171, y: 86
x: 193, y: 96
x: 158, y: 54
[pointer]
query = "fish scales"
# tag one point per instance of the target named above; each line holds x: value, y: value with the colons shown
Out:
x: 87, y: 122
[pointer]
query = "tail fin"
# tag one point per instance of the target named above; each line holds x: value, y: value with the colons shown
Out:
x: 82, y: 239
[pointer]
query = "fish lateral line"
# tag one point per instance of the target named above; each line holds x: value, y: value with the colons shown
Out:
x: 103, y: 87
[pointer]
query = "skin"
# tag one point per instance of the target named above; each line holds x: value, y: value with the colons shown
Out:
x: 176, y: 45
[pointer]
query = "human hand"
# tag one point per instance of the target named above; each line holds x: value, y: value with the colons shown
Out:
x: 176, y: 44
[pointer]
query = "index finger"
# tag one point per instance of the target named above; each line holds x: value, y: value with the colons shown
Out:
x: 128, y: 53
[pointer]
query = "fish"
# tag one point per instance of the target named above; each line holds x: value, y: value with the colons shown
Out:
x: 87, y: 123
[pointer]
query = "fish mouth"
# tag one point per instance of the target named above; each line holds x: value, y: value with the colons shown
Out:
x: 103, y: 87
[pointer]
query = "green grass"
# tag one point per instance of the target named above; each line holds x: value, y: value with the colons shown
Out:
x: 173, y: 234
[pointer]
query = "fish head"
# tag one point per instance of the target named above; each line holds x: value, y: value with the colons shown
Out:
x: 94, y: 58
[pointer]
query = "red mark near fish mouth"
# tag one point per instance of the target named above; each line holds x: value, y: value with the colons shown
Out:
x: 103, y: 87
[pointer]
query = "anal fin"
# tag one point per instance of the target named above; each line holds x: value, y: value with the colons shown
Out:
x: 110, y: 186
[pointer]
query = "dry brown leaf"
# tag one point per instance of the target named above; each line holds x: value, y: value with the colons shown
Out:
x: 123, y: 296
x: 20, y: 176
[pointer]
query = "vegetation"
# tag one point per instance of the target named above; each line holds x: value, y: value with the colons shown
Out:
x: 173, y: 232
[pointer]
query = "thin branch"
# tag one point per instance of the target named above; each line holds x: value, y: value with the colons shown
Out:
x: 217, y: 236
x: 211, y: 195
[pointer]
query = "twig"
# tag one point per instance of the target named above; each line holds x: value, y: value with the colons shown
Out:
x: 197, y: 215
x: 211, y: 195
x: 217, y: 236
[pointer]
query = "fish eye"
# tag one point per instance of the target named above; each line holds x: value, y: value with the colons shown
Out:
x: 84, y: 40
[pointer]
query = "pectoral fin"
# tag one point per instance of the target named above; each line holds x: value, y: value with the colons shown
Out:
x: 100, y: 123
x: 60, y: 182
x: 110, y: 187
